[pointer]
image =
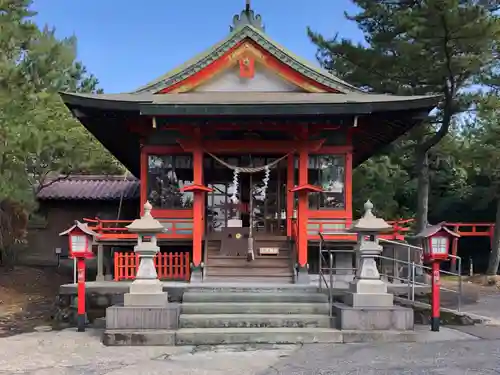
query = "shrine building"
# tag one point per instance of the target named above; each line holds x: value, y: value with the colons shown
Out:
x: 246, y: 154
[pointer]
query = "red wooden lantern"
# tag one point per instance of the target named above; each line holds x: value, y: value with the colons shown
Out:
x: 436, y: 240
x: 80, y: 240
x: 80, y: 247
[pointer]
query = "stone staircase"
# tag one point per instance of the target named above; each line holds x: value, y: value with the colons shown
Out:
x: 264, y: 268
x: 243, y: 315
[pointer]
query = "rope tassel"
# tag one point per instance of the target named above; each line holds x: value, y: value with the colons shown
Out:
x: 265, y: 181
x: 236, y: 173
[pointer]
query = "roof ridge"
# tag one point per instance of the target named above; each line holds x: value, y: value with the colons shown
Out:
x: 94, y: 177
x: 202, y: 60
x: 88, y: 189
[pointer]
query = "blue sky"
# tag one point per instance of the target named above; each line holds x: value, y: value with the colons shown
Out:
x: 128, y: 43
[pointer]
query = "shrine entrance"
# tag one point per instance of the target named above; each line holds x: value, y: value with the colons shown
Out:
x: 251, y: 194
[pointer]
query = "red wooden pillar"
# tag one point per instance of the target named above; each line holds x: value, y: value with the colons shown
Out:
x: 303, y: 191
x: 144, y: 178
x: 290, y: 182
x: 199, y: 191
x: 198, y: 214
x: 348, y: 185
x: 303, y: 207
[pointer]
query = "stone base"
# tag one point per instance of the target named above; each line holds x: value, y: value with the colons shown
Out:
x: 196, y: 276
x: 302, y: 276
x: 394, y: 318
x: 138, y: 337
x: 145, y: 299
x: 142, y: 318
x: 369, y: 286
x: 249, y: 336
x: 239, y: 336
x: 368, y: 300
x: 351, y: 337
x: 148, y: 286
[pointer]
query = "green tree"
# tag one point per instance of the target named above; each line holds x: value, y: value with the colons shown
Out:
x: 484, y: 162
x: 413, y: 48
x: 387, y: 185
x: 39, y: 138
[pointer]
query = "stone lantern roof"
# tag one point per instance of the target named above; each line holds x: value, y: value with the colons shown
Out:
x: 147, y: 223
x: 369, y: 223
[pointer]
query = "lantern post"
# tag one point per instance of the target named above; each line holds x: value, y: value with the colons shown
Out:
x: 435, y: 241
x: 81, y: 239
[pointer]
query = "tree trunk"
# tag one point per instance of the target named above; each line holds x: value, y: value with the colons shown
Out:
x: 494, y: 259
x: 423, y: 187
x: 8, y: 258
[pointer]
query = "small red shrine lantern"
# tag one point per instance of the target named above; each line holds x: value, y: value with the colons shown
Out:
x: 436, y: 241
x: 81, y: 238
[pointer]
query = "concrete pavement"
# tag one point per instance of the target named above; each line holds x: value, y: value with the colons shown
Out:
x: 445, y: 358
x: 488, y: 305
x: 70, y: 353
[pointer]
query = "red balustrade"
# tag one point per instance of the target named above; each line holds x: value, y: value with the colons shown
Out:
x: 169, y: 266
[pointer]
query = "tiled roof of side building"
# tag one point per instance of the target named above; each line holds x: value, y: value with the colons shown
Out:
x: 92, y: 188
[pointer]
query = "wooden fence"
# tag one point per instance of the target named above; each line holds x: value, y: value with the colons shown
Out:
x: 169, y: 266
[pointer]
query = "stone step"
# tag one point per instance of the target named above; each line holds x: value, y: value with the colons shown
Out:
x: 243, y: 263
x: 146, y: 337
x: 261, y: 288
x: 292, y: 297
x: 253, y: 321
x: 250, y: 279
x: 254, y: 308
x: 220, y: 336
x: 258, y: 262
x: 215, y: 336
x: 283, y: 251
x: 244, y: 271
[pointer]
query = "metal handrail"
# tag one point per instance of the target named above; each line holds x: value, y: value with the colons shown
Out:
x: 205, y: 258
x: 294, y: 256
x: 327, y: 268
x: 412, y: 282
x: 330, y: 271
x: 407, y: 245
x: 420, y: 249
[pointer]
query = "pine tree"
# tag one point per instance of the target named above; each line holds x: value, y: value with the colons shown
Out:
x: 418, y: 47
x: 38, y: 135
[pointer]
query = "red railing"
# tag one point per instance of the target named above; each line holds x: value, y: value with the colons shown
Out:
x: 169, y: 266
x: 337, y: 229
x: 116, y: 229
x: 182, y: 229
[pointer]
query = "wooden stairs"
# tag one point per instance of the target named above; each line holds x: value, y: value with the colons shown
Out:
x: 263, y: 269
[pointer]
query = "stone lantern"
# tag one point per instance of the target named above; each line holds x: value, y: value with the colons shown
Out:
x: 146, y: 317
x: 367, y: 289
x: 367, y: 305
x: 146, y: 289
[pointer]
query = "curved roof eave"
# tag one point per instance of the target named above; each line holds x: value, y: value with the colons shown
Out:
x: 243, y: 103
